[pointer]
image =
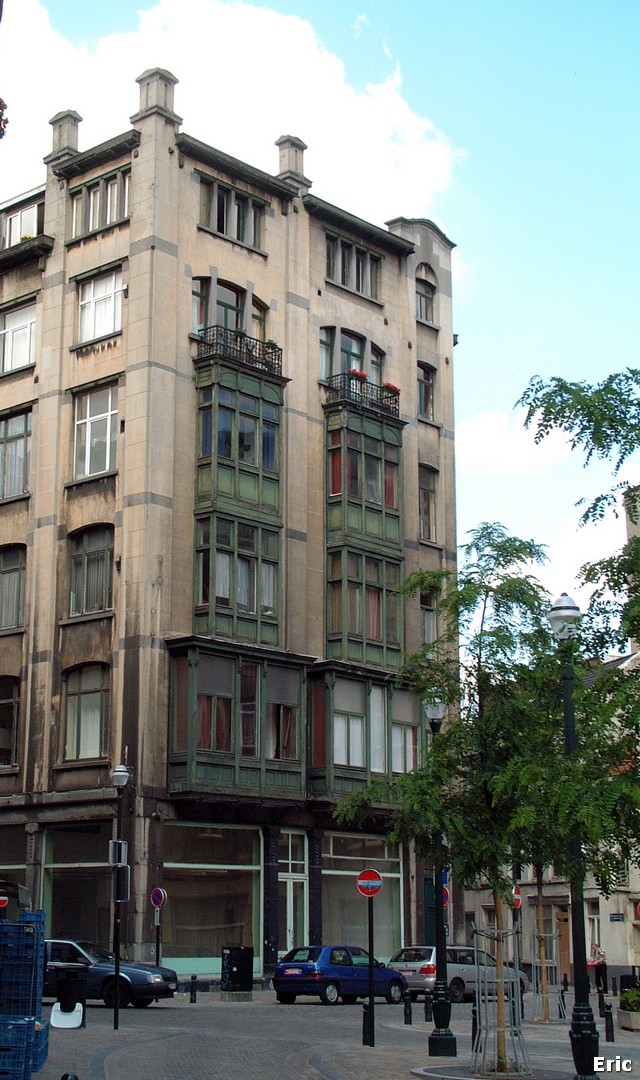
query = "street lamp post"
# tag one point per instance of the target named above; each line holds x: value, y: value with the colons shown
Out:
x: 442, y: 1041
x: 120, y: 776
x: 564, y: 617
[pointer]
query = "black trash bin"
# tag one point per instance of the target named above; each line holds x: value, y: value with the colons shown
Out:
x: 70, y: 986
x: 627, y: 982
x: 237, y: 969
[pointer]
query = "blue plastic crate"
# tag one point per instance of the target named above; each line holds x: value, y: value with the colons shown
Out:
x: 40, y: 1047
x: 16, y: 1044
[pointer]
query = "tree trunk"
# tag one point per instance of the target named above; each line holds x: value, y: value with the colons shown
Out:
x: 501, y: 1044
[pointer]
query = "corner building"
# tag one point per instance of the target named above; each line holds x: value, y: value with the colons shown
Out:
x: 226, y: 436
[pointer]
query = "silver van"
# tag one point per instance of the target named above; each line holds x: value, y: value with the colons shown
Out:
x: 418, y: 965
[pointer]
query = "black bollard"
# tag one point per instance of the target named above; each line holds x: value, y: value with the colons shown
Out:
x: 562, y: 1007
x: 406, y: 998
x: 428, y: 1006
x: 608, y: 1022
x: 475, y: 1034
x: 614, y: 985
x: 366, y: 1025
x: 565, y: 982
x: 194, y: 987
x: 601, y: 1011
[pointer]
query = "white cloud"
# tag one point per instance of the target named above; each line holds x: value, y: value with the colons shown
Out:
x: 359, y: 25
x: 248, y: 76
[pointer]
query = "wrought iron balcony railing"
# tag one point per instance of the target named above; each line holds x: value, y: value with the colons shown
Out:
x: 238, y: 346
x: 357, y: 391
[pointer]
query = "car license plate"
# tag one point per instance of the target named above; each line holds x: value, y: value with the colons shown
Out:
x: 293, y: 971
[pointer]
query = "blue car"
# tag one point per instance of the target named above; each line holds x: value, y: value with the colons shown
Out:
x: 331, y: 972
x: 140, y: 984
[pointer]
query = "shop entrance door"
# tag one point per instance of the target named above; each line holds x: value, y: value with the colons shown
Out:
x: 292, y: 891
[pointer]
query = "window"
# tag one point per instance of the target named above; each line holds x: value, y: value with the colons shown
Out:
x: 427, y: 502
x: 282, y: 728
x: 404, y: 747
x: 12, y: 575
x: 371, y: 469
x: 356, y: 353
x: 24, y: 223
x: 245, y: 567
x: 327, y: 335
x: 249, y: 709
x: 348, y: 739
x: 428, y: 620
x: 231, y: 213
x: 96, y: 413
x: 91, y: 571
x: 200, y: 289
x: 229, y: 307
x: 214, y: 723
x: 426, y: 284
x: 352, y: 266
x: 9, y: 711
x: 100, y: 203
x: 426, y: 384
x: 18, y: 337
x: 247, y: 430
x: 15, y: 454
x: 362, y: 597
x: 100, y: 306
x: 351, y: 351
x: 86, y: 708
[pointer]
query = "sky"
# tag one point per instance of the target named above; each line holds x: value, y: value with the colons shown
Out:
x: 513, y: 125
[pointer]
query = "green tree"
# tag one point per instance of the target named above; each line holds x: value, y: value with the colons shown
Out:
x: 497, y: 783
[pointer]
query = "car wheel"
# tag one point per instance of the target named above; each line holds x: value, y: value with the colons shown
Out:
x: 285, y: 999
x: 330, y: 993
x: 142, y: 1003
x: 349, y: 999
x: 394, y: 992
x: 109, y: 994
x: 456, y: 991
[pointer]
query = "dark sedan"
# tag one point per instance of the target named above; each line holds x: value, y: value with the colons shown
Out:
x: 140, y: 984
x: 331, y: 972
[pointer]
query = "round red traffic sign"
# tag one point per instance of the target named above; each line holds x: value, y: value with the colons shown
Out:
x: 369, y: 882
x: 445, y: 896
x: 517, y: 897
x: 158, y: 898
x: 4, y: 901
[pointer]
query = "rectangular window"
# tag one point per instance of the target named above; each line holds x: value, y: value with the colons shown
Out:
x: 326, y: 352
x: 95, y: 431
x: 200, y: 289
x: 404, y: 747
x: 231, y: 213
x: 428, y: 623
x: 214, y: 723
x: 249, y: 710
x: 281, y: 734
x: 377, y: 700
x: 15, y: 454
x: 353, y: 267
x: 9, y: 711
x: 92, y: 571
x: 86, y: 703
x: 348, y: 739
x: 18, y: 338
x: 94, y: 208
x: 22, y: 225
x: 426, y: 381
x: 12, y: 575
x: 100, y: 306
x: 427, y: 502
x: 424, y: 301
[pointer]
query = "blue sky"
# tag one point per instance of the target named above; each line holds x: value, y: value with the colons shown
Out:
x: 512, y: 124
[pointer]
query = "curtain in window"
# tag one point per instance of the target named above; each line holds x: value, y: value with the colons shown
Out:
x: 268, y: 589
x: 10, y: 605
x: 89, y: 743
x: 335, y: 458
x: 203, y: 720
x: 390, y: 476
x: 223, y: 576
x: 268, y: 446
x: 95, y: 585
x: 15, y: 472
x: 340, y: 755
x: 356, y: 740
x: 355, y: 617
x: 378, y: 729
x: 288, y: 733
x: 249, y: 709
x: 245, y: 584
x: 223, y: 725
x: 373, y: 614
x: 353, y: 474
x: 372, y: 478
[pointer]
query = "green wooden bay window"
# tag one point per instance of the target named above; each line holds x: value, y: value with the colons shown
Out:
x: 363, y: 610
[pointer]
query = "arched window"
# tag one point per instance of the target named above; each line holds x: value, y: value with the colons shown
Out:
x: 86, y: 711
x: 13, y: 559
x: 91, y: 570
x: 426, y: 287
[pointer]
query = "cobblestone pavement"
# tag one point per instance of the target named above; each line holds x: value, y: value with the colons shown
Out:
x: 213, y: 1039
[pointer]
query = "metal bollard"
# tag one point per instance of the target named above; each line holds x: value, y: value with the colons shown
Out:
x: 562, y: 1006
x: 428, y: 1006
x: 614, y: 985
x: 565, y: 982
x: 194, y: 987
x: 608, y: 1022
x: 406, y: 998
x: 475, y: 1034
x: 366, y: 1024
x: 601, y: 1011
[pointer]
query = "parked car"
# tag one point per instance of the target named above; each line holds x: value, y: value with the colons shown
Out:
x: 332, y: 972
x: 418, y: 964
x: 140, y: 984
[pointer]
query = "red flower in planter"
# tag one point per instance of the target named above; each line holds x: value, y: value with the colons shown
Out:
x: 358, y: 374
x: 391, y: 386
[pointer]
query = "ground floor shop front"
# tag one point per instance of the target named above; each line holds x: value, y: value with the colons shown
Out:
x: 262, y: 886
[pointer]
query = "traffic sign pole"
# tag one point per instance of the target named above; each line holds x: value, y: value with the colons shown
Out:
x: 372, y: 1030
x: 369, y: 884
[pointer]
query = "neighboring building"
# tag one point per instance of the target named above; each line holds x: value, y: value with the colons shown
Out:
x: 226, y: 436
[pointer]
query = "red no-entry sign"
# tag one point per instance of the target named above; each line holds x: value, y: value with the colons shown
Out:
x: 4, y: 901
x: 369, y: 882
x: 517, y: 898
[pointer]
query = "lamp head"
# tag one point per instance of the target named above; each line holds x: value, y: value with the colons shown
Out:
x: 564, y: 617
x: 434, y: 711
x: 120, y: 776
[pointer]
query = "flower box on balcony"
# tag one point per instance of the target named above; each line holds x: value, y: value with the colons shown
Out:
x: 391, y: 386
x: 358, y: 374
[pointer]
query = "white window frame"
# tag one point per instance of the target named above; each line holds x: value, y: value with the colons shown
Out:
x: 95, y: 425
x: 100, y: 306
x: 18, y: 337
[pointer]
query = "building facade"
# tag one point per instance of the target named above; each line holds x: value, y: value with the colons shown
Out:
x: 226, y: 436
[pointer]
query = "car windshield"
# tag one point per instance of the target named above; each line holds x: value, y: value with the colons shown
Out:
x: 414, y: 955
x: 305, y: 955
x: 96, y: 952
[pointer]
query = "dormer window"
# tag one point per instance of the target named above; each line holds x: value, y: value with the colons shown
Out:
x: 23, y: 223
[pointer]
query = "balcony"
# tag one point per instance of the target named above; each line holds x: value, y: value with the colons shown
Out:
x: 353, y: 389
x: 238, y: 346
